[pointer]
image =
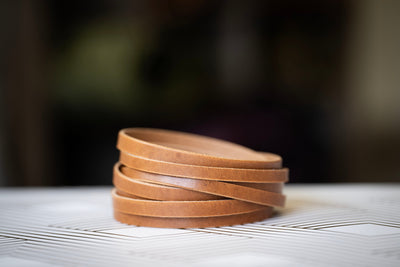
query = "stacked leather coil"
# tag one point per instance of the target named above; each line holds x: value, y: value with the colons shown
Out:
x: 179, y: 180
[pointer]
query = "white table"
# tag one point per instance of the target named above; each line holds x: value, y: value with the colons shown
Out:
x: 322, y: 225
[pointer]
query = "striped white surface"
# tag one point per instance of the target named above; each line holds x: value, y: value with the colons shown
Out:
x: 322, y: 225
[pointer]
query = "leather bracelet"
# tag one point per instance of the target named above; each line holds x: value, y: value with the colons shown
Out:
x: 224, y: 189
x: 173, y: 179
x: 181, y: 209
x: 203, y: 172
x: 191, y: 149
x: 193, y: 222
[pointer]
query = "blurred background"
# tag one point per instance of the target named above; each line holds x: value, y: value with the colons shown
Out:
x: 314, y: 81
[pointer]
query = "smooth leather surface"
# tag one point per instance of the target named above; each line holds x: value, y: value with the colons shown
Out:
x: 181, y: 209
x: 146, y: 189
x: 192, y: 149
x: 223, y: 189
x: 204, y: 172
x: 192, y: 222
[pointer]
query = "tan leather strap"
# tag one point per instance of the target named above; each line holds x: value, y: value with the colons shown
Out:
x: 203, y: 172
x: 181, y: 209
x: 191, y: 149
x: 270, y: 187
x: 238, y: 192
x: 154, y: 191
x: 216, y: 221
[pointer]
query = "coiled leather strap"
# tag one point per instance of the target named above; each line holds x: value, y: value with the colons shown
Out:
x: 171, y: 179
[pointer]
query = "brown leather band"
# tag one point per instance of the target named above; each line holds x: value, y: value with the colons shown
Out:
x: 234, y: 191
x: 191, y: 149
x: 154, y: 191
x: 271, y: 187
x: 203, y: 172
x: 193, y: 222
x: 181, y: 209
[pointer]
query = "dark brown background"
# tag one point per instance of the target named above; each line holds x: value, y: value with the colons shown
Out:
x: 314, y: 81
